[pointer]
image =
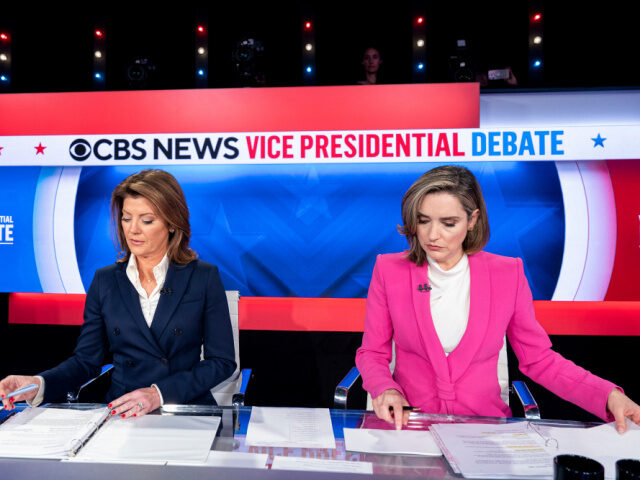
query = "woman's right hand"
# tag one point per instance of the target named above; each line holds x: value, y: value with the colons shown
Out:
x: 14, y: 382
x: 388, y: 406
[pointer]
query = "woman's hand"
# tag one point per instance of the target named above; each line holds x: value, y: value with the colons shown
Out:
x: 136, y: 403
x: 621, y: 407
x: 14, y: 382
x: 388, y: 406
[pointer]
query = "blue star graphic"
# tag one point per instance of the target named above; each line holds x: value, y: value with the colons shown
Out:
x: 598, y: 141
x: 227, y: 248
x: 311, y: 193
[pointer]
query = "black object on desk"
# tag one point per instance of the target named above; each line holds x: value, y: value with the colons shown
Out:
x: 627, y: 469
x: 577, y: 467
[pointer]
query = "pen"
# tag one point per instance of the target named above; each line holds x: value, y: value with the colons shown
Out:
x: 22, y: 390
x: 406, y: 408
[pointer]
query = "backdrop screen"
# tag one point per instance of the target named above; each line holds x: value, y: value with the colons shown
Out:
x: 295, y: 191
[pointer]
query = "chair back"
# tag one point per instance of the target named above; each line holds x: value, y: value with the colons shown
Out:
x: 224, y: 391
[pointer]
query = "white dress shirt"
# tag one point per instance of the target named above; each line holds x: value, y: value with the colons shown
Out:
x: 450, y: 300
x: 148, y: 303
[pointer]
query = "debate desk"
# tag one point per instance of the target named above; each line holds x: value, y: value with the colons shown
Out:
x: 231, y: 436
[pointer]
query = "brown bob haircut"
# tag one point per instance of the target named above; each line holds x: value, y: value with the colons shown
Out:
x: 163, y: 191
x: 457, y: 181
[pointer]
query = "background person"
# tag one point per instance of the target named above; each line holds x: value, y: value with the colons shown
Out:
x: 154, y: 310
x: 371, y: 63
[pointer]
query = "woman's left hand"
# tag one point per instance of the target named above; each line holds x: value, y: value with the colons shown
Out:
x: 136, y: 403
x: 621, y: 407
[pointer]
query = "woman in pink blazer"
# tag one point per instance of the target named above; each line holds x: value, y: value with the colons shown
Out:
x: 445, y: 222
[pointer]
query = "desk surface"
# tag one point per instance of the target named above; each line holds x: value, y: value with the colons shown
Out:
x: 231, y: 438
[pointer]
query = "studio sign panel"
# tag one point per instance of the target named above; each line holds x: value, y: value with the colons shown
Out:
x: 180, y: 148
x: 342, y: 146
x: 306, y: 146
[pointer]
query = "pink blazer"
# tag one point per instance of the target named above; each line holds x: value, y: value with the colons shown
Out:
x: 466, y: 381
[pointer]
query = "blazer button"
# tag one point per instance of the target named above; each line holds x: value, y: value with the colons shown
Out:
x: 177, y: 331
x: 116, y: 331
x: 164, y: 361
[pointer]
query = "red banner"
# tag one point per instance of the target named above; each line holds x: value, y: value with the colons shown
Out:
x: 374, y: 107
x: 340, y: 314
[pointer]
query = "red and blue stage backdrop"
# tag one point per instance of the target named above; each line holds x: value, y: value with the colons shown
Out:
x: 293, y: 191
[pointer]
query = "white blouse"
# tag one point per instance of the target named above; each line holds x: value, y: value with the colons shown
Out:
x: 450, y: 300
x: 148, y: 303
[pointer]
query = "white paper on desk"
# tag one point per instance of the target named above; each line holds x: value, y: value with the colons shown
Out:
x: 602, y: 443
x: 152, y: 438
x: 231, y: 459
x: 495, y: 451
x: 320, y: 465
x: 399, y: 442
x: 290, y: 427
x: 78, y: 459
x: 47, y: 432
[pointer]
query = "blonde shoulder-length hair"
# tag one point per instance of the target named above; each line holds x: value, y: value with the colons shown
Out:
x: 457, y: 181
x: 163, y: 191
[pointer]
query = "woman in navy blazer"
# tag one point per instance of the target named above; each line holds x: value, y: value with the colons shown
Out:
x: 155, y: 310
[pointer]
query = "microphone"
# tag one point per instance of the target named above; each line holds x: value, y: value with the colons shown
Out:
x: 423, y: 287
x: 165, y: 291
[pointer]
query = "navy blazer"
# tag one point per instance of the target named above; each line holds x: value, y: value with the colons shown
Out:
x: 192, y: 313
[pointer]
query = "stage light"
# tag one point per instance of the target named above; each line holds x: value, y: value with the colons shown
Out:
x: 201, y: 51
x: 98, y: 76
x: 537, y: 17
x: 307, y: 25
x: 308, y: 47
x: 537, y: 63
x: 99, y: 33
x: 420, y: 66
x: 3, y: 78
x: 98, y: 54
x: 201, y: 72
x: 3, y: 57
x: 420, y: 20
x: 308, y: 70
x: 200, y: 29
x: 537, y: 39
x: 420, y: 43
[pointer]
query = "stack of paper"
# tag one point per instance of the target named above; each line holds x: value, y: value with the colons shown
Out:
x: 494, y: 451
x: 152, y: 438
x: 398, y: 442
x: 526, y: 449
x: 320, y: 465
x: 48, y: 432
x: 229, y: 460
x: 290, y: 427
x: 96, y: 436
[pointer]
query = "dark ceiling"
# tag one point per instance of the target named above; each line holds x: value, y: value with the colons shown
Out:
x: 52, y: 46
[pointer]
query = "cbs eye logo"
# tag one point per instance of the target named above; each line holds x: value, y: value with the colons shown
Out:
x: 80, y: 150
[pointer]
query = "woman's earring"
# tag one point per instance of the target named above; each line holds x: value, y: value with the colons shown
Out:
x: 171, y: 230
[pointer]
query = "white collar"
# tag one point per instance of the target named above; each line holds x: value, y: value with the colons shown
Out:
x: 159, y: 271
x: 458, y: 268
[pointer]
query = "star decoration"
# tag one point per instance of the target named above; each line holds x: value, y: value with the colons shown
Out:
x: 40, y: 149
x: 598, y: 141
x: 311, y: 193
x: 218, y: 226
